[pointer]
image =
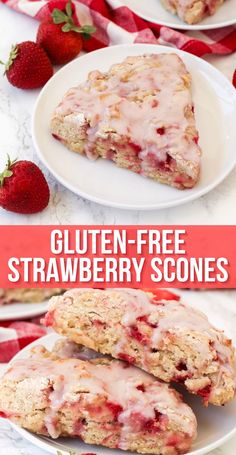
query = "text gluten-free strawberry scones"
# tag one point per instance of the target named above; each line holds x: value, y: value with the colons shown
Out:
x: 139, y: 114
x: 192, y: 11
x: 153, y: 331
x: 101, y: 401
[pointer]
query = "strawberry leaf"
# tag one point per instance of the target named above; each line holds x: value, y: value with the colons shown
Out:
x: 88, y: 29
x: 66, y: 28
x: 12, y: 56
x: 59, y: 17
x: 10, y: 162
x: 7, y: 171
x: 69, y: 9
x: 85, y: 30
x: 66, y: 18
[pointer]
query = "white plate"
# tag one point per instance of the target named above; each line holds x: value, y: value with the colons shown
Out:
x: 13, y: 311
x: 102, y: 181
x: 215, y: 425
x: 154, y: 11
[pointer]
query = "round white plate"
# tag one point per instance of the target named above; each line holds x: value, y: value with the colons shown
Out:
x: 154, y: 11
x: 215, y: 425
x: 13, y: 311
x: 101, y: 181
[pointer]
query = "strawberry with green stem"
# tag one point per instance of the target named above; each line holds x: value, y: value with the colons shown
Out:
x: 28, y: 66
x: 23, y: 187
x: 60, y: 37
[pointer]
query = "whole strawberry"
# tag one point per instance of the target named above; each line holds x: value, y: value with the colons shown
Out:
x: 60, y: 37
x: 28, y: 66
x: 23, y: 188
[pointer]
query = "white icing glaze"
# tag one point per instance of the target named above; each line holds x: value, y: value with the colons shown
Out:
x: 171, y: 317
x: 117, y: 382
x: 133, y: 100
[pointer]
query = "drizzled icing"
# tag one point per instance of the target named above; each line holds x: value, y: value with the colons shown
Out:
x: 170, y: 317
x: 114, y: 380
x: 135, y: 100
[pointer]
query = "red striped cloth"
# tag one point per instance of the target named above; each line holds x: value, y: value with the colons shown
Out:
x: 117, y: 24
x: 14, y: 336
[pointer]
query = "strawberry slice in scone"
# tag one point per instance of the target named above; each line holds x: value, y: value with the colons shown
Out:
x: 139, y: 115
x: 154, y: 331
x: 101, y: 401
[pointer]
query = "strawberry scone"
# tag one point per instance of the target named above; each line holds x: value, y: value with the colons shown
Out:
x: 102, y: 401
x: 139, y: 114
x: 27, y: 295
x: 192, y: 11
x: 153, y: 331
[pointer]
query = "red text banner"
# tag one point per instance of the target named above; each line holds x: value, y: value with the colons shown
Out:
x: 117, y: 256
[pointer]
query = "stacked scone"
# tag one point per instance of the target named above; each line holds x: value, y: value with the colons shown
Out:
x: 89, y: 386
x: 164, y: 337
x: 101, y: 401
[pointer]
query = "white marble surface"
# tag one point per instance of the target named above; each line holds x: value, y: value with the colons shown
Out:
x: 221, y: 310
x: 15, y: 115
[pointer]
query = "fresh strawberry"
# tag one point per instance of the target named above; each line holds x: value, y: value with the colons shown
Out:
x: 92, y: 44
x: 23, y: 188
x: 28, y: 66
x: 61, y: 47
x: 60, y: 37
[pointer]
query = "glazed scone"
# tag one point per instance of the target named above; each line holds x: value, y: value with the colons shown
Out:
x: 192, y: 11
x: 139, y: 114
x: 102, y: 401
x: 24, y: 295
x: 153, y: 331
